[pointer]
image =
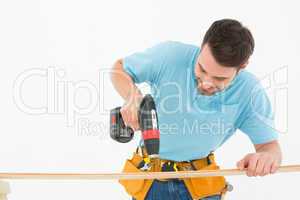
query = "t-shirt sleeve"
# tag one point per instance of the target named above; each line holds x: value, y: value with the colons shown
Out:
x: 146, y: 66
x: 258, y: 121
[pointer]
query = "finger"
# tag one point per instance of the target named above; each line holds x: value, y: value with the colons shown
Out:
x: 252, y: 165
x: 274, y: 167
x: 133, y: 114
x: 260, y: 167
x: 241, y: 164
x: 135, y: 126
x: 126, y: 118
x: 129, y: 116
x: 267, y: 168
x: 134, y: 121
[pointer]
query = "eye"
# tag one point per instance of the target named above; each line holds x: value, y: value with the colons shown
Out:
x: 197, y: 79
x: 201, y: 69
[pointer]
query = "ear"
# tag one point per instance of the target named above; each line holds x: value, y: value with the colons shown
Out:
x: 244, y: 65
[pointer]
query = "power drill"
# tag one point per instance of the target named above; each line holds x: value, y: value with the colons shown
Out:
x: 148, y: 122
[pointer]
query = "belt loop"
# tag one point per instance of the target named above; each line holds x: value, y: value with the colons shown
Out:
x: 208, y: 158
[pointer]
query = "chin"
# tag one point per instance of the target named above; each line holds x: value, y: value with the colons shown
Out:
x: 205, y: 93
x: 208, y: 94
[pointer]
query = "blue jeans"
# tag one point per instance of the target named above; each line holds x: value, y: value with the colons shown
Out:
x: 172, y: 190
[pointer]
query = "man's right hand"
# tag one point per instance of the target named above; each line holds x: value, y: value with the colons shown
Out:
x: 129, y: 111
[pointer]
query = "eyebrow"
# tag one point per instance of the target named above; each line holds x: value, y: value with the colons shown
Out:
x: 217, y: 77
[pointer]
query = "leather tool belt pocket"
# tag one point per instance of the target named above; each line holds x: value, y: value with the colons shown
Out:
x: 198, y: 187
x: 135, y: 188
x: 204, y: 186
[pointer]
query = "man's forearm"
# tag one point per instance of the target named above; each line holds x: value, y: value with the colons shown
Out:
x: 123, y: 83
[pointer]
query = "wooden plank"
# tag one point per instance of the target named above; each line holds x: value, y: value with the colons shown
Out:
x: 142, y: 175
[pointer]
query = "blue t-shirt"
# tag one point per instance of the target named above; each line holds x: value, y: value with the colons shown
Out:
x: 191, y: 124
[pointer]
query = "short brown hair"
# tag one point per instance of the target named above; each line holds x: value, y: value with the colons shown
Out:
x: 230, y: 42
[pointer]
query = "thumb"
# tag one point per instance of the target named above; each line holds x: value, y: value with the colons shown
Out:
x: 241, y: 164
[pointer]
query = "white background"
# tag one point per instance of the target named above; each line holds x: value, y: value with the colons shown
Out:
x: 81, y: 38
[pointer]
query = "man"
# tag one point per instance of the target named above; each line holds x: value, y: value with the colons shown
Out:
x: 203, y: 95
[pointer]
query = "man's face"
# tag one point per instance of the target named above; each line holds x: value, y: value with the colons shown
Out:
x: 211, y: 76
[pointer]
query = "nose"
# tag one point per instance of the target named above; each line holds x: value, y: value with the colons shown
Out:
x: 207, y: 85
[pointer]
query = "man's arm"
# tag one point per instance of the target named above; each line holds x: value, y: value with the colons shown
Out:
x: 123, y: 83
x: 258, y: 124
x: 125, y: 86
x: 266, y: 160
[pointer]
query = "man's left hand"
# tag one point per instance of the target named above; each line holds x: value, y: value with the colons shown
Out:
x: 260, y: 163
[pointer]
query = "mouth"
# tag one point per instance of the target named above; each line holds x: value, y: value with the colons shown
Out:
x: 205, y: 92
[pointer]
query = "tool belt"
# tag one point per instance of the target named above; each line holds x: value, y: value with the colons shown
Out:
x: 198, y: 187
